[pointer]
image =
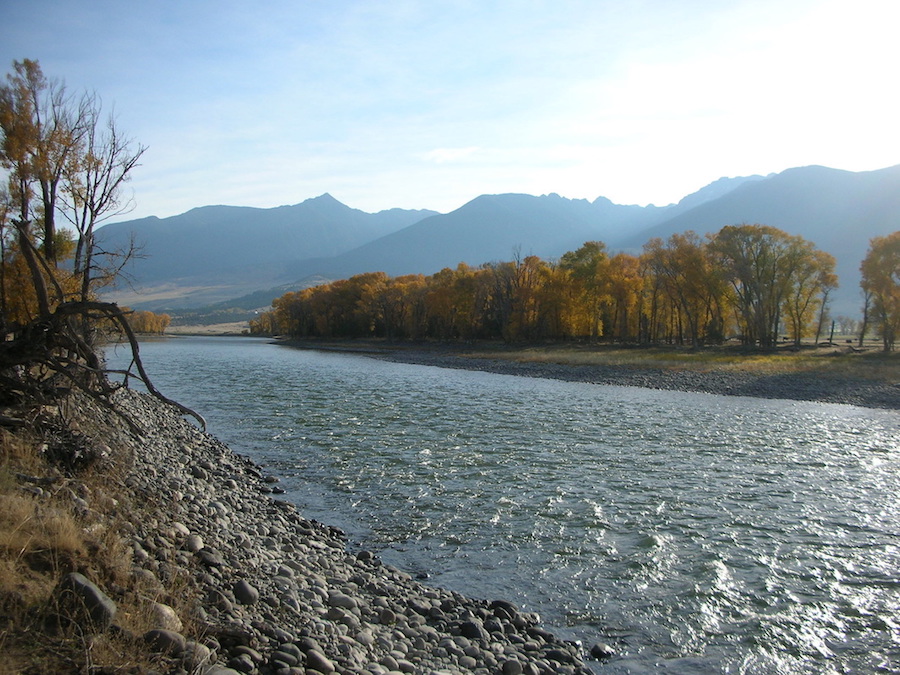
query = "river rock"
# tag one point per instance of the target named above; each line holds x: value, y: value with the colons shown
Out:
x: 601, y: 651
x: 316, y: 660
x: 474, y: 630
x: 512, y: 667
x: 242, y: 663
x: 163, y: 616
x: 193, y: 543
x: 196, y: 655
x: 165, y: 641
x: 341, y: 600
x: 245, y: 593
x: 82, y: 601
x: 273, y: 592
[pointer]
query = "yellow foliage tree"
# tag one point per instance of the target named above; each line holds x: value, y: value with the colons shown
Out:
x: 881, y: 285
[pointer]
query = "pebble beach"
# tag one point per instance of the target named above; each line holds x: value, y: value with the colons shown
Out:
x: 273, y: 592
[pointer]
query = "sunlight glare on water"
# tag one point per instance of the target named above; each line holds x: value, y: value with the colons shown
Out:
x: 692, y: 532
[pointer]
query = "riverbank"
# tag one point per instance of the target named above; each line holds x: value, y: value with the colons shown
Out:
x: 170, y: 553
x: 828, y: 375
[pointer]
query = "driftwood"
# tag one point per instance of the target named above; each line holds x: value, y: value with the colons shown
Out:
x: 59, y: 343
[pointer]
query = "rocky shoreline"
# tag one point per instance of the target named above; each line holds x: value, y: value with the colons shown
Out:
x: 268, y: 591
x: 802, y: 386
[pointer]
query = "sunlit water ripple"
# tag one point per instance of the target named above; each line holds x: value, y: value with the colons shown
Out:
x: 693, y: 532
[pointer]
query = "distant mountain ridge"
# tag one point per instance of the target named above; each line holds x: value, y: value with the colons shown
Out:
x: 211, y: 254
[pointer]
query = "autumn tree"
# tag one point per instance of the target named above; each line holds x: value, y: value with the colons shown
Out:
x: 678, y: 291
x: 143, y: 321
x: 52, y: 144
x: 93, y: 191
x: 622, y: 290
x: 763, y: 265
x: 694, y: 286
x: 881, y: 286
x: 524, y: 320
x: 587, y: 269
x: 807, y: 297
x: 42, y: 127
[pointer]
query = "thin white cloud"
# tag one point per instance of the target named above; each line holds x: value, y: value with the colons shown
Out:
x: 429, y: 104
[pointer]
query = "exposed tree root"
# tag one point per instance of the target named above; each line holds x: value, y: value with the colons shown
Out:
x: 59, y: 345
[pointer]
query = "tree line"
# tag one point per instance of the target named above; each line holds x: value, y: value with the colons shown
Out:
x: 751, y: 281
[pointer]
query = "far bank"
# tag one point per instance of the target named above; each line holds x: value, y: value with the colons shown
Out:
x: 834, y: 374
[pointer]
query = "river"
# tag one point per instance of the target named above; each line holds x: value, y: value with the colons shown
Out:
x: 691, y: 532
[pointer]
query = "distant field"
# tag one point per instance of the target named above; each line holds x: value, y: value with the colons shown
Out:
x: 233, y: 328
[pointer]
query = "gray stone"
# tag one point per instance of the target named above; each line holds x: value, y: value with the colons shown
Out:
x: 210, y: 558
x: 512, y: 667
x: 245, y: 593
x: 193, y: 543
x: 242, y: 663
x: 467, y: 662
x: 316, y: 660
x: 82, y: 601
x: 341, y: 600
x: 196, y: 655
x: 163, y: 616
x: 559, y: 656
x: 602, y: 651
x: 473, y: 630
x: 254, y: 655
x: 165, y: 641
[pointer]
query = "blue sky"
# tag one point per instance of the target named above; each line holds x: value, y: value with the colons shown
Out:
x: 429, y: 103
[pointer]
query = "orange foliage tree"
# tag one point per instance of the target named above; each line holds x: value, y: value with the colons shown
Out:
x: 881, y: 286
x: 680, y: 291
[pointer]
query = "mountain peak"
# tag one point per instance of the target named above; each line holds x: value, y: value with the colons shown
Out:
x: 324, y: 199
x: 716, y: 189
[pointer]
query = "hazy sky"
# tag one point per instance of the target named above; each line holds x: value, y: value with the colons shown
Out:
x: 429, y: 103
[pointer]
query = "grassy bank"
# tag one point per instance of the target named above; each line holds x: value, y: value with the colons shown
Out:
x: 62, y: 511
x: 867, y: 364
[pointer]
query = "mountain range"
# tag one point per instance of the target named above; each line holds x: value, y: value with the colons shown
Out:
x: 214, y: 254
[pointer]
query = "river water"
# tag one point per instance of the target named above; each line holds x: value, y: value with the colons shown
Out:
x: 693, y: 533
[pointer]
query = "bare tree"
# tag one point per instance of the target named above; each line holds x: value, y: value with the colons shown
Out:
x: 95, y: 182
x: 79, y: 162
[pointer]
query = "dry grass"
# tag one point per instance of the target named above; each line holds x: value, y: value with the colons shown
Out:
x: 870, y: 364
x: 45, y: 534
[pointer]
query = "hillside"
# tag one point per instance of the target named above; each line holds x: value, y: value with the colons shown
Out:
x: 839, y: 211
x: 215, y: 254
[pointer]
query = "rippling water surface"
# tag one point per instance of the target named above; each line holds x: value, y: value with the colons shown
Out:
x: 695, y: 533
